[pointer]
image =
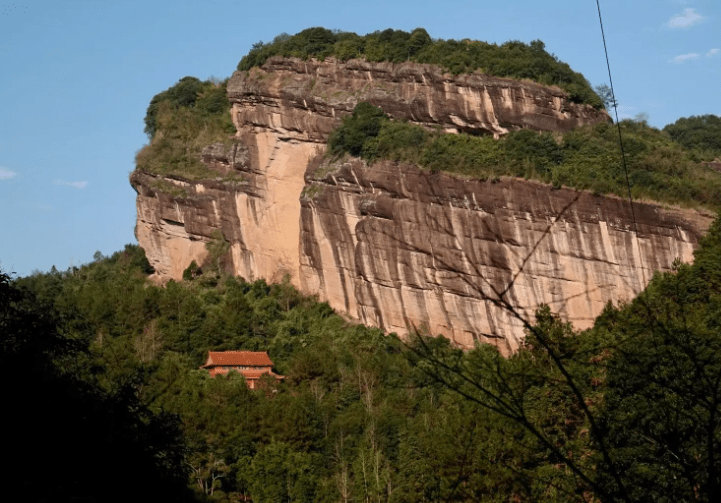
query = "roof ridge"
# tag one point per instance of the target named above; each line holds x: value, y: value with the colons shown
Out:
x: 233, y: 358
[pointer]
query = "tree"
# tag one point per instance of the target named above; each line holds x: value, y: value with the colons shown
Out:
x: 606, y: 94
x: 700, y: 133
x: 208, y: 470
x: 364, y: 123
x: 277, y: 473
x: 641, y: 118
x: 217, y: 248
x: 663, y: 390
x: 89, y: 439
x: 192, y: 271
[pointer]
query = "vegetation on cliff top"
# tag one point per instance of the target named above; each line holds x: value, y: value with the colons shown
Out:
x: 360, y: 416
x: 513, y: 59
x: 701, y: 134
x: 180, y: 122
x: 586, y: 158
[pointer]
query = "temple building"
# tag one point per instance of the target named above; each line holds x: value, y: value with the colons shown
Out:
x: 251, y: 364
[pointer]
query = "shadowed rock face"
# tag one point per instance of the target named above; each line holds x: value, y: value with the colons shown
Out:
x: 389, y: 244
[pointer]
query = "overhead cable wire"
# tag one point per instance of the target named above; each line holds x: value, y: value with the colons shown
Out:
x: 614, y: 104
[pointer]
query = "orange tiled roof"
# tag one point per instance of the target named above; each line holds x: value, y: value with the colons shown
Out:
x: 250, y: 358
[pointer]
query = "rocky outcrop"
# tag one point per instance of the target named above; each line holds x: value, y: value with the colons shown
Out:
x: 389, y: 244
x: 714, y: 165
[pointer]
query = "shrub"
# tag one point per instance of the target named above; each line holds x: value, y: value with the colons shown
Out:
x: 192, y: 271
x: 364, y: 123
x: 180, y: 121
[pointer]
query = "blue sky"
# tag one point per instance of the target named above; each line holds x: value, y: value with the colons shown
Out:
x: 76, y: 78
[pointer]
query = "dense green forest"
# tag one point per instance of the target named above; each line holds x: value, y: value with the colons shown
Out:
x: 626, y: 411
x: 512, y: 59
x: 587, y: 158
x: 69, y: 437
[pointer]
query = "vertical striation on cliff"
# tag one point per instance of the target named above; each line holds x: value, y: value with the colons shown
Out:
x: 394, y: 246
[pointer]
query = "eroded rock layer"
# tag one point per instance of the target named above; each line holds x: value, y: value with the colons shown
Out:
x: 391, y: 245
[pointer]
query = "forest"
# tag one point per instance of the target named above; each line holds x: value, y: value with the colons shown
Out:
x: 625, y: 411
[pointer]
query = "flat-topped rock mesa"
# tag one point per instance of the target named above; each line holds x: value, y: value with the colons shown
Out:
x: 392, y: 245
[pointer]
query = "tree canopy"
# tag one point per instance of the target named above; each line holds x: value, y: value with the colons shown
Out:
x: 699, y: 133
x: 73, y: 438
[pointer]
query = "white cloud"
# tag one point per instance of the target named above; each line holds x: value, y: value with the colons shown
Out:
x: 684, y: 57
x: 76, y: 185
x: 713, y: 52
x: 686, y: 19
x: 6, y: 174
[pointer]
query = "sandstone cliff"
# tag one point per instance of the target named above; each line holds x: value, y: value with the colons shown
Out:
x: 389, y: 244
x: 392, y: 245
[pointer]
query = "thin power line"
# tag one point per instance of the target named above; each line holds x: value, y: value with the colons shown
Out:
x: 618, y: 124
x: 615, y: 473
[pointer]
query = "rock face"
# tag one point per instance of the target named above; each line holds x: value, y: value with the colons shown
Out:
x: 392, y: 246
x: 258, y: 214
x: 389, y: 244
